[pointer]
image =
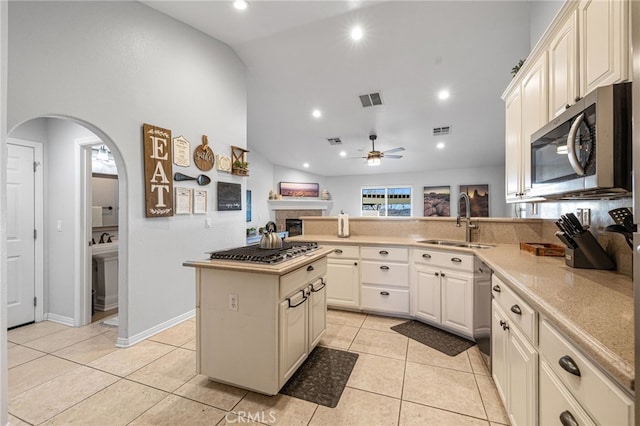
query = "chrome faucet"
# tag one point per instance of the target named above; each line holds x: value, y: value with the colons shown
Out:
x: 469, y: 225
x: 102, y: 241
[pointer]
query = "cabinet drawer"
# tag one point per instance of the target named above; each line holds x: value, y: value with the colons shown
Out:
x: 600, y: 397
x: 385, y: 299
x: 556, y: 402
x: 294, y: 280
x: 518, y: 311
x: 351, y: 252
x: 392, y: 254
x: 385, y: 273
x: 443, y: 259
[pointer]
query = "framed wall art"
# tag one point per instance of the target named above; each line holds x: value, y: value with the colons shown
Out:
x: 437, y: 201
x: 183, y: 200
x: 478, y: 200
x: 229, y: 196
x: 200, y: 197
x: 295, y: 189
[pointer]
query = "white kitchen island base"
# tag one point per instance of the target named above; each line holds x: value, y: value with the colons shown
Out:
x: 255, y: 327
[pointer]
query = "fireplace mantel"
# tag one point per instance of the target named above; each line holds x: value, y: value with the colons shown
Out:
x: 300, y: 204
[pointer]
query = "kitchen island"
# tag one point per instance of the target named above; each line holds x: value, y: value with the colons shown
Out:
x: 257, y: 323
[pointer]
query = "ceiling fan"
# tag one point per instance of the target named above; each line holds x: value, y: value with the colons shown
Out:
x: 373, y: 157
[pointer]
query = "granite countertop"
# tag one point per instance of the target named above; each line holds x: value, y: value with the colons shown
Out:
x: 594, y: 308
x: 272, y: 269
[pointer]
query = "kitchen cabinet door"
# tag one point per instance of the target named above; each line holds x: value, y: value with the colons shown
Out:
x: 522, y: 373
x: 604, y: 43
x: 293, y: 334
x: 317, y: 312
x: 343, y: 283
x: 563, y: 67
x: 426, y: 297
x: 457, y: 302
x: 513, y: 140
x: 499, y: 351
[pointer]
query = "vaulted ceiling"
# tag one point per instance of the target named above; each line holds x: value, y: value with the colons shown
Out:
x: 300, y: 57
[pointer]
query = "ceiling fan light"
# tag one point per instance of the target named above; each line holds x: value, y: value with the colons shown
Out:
x: 373, y: 161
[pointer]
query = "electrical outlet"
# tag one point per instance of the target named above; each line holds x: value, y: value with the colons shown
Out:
x: 233, y: 302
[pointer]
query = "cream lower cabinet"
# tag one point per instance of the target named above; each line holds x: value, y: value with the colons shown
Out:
x: 343, y: 277
x: 445, y: 289
x: 384, y: 276
x: 514, y: 358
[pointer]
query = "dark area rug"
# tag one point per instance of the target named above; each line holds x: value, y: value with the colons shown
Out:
x: 440, y: 340
x: 322, y: 377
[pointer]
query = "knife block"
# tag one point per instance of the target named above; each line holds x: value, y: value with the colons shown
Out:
x: 588, y: 255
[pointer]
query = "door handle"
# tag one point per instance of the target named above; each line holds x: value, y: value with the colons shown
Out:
x: 571, y: 146
x: 569, y: 365
x: 304, y: 299
x: 337, y: 251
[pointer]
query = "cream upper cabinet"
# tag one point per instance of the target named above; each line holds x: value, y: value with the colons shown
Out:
x: 604, y: 43
x: 563, y: 67
x: 526, y: 112
x: 513, y: 154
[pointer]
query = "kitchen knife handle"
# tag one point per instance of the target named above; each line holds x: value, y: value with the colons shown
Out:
x: 569, y: 365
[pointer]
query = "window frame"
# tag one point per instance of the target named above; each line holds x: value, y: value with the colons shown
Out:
x: 386, y: 204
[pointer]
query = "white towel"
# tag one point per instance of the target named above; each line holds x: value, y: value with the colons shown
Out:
x: 96, y: 216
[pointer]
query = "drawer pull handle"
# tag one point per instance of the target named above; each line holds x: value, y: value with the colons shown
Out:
x: 383, y: 252
x: 442, y: 274
x: 516, y: 310
x: 337, y: 251
x: 426, y: 256
x: 569, y: 365
x: 567, y: 419
x: 309, y: 268
x: 504, y: 325
x: 437, y: 274
x: 456, y: 259
x: 315, y: 290
x: 497, y: 288
x: 304, y: 299
x: 384, y: 268
x: 384, y: 293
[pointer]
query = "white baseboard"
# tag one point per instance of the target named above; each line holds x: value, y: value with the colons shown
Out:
x: 125, y: 342
x: 59, y: 319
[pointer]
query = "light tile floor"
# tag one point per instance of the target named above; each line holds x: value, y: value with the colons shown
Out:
x: 62, y: 375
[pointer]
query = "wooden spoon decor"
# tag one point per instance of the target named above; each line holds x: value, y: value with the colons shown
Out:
x: 203, y: 155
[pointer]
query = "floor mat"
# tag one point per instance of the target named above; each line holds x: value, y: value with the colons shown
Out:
x: 322, y: 377
x: 440, y: 340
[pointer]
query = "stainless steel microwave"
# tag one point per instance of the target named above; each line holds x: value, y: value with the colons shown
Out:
x: 586, y: 151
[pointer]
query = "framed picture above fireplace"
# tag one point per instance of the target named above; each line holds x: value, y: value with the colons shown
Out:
x: 297, y: 189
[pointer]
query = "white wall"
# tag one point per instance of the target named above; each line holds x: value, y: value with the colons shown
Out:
x: 260, y: 182
x: 346, y: 189
x: 117, y: 65
x: 4, y: 418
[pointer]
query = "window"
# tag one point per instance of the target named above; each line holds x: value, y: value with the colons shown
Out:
x: 386, y: 201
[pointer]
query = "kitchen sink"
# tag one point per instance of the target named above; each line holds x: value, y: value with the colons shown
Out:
x: 455, y: 244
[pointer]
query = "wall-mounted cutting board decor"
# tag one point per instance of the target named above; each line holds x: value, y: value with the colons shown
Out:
x: 203, y: 155
x: 181, y: 151
x: 224, y: 163
x: 158, y: 172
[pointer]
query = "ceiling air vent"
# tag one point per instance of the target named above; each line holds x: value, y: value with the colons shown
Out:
x: 334, y: 141
x: 371, y: 99
x: 441, y: 131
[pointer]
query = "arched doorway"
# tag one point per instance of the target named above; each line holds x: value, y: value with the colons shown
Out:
x: 67, y: 216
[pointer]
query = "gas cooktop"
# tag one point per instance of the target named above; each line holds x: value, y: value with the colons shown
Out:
x: 254, y: 253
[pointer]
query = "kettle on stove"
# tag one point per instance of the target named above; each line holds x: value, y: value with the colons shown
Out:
x: 270, y: 238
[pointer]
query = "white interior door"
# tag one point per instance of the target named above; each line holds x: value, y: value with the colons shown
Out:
x: 21, y: 227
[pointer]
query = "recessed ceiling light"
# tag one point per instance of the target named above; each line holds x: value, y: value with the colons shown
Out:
x: 440, y: 145
x: 240, y: 4
x: 356, y: 33
x: 317, y: 113
x: 343, y: 153
x: 443, y: 94
x: 305, y: 165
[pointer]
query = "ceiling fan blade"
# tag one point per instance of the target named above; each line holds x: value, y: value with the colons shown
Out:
x: 395, y: 157
x: 352, y: 158
x: 394, y: 150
